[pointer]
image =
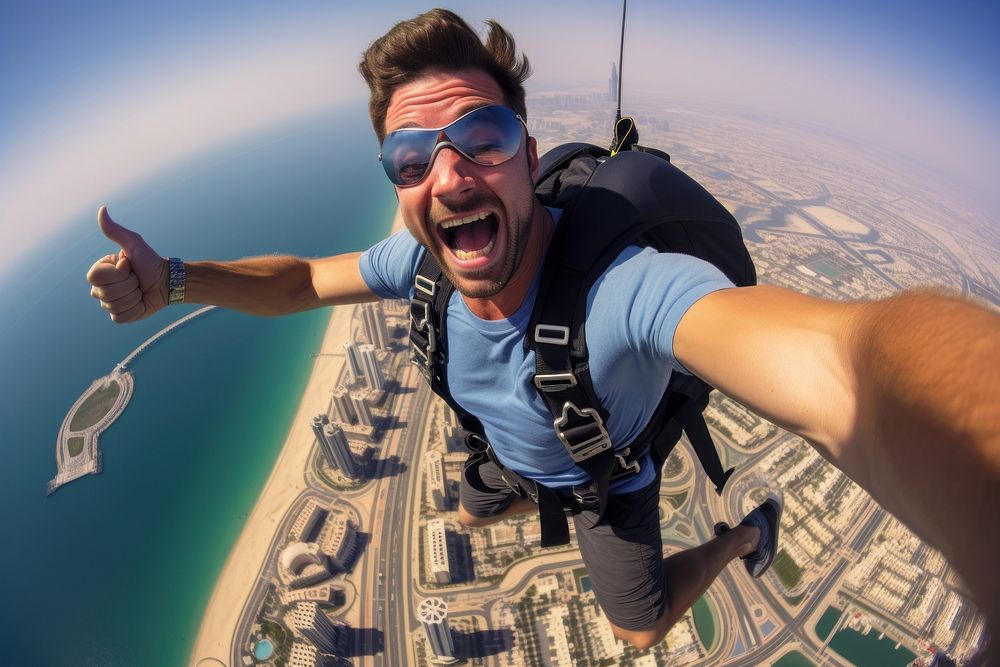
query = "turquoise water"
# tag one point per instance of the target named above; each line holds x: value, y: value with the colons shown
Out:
x: 263, y: 649
x: 116, y: 569
x: 861, y: 649
x: 793, y: 659
x: 704, y: 622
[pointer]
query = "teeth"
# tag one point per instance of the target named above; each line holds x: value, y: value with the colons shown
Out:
x: 482, y: 252
x: 448, y: 224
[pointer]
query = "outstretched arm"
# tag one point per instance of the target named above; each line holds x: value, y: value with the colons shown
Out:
x: 903, y: 395
x: 132, y: 283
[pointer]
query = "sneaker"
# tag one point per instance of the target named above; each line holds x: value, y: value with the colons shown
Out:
x: 766, y: 518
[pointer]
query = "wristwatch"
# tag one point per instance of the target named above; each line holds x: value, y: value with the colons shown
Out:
x: 177, y: 281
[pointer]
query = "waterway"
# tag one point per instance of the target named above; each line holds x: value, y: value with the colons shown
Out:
x: 793, y: 659
x: 704, y: 622
x: 862, y: 650
x: 115, y: 569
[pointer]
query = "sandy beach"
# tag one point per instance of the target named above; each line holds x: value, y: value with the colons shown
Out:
x: 286, y: 481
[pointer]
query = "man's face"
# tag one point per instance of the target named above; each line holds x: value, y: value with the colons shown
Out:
x: 473, y: 219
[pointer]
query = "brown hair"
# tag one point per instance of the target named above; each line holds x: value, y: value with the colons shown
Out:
x: 440, y: 40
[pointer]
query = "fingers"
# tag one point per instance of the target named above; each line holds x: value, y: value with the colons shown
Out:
x: 109, y: 269
x: 122, y: 304
x: 136, y: 312
x: 128, y: 240
x: 116, y: 290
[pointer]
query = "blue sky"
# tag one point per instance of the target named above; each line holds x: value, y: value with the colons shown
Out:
x: 95, y: 95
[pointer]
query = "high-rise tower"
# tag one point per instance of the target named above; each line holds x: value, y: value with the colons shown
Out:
x: 333, y: 443
x: 613, y: 84
x: 373, y: 319
x: 338, y: 451
x: 306, y: 620
x: 341, y: 407
x: 353, y: 361
x: 359, y: 404
x: 437, y: 551
x: 372, y: 371
x: 433, y: 614
x: 437, y: 493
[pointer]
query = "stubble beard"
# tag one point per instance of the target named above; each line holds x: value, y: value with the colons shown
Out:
x: 472, y: 286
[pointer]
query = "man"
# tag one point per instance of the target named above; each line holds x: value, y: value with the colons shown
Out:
x: 887, y: 391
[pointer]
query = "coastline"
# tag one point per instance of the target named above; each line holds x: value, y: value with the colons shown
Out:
x: 286, y: 481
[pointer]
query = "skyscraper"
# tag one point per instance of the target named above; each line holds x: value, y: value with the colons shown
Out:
x: 613, y: 84
x: 333, y: 443
x: 433, y: 614
x: 372, y: 371
x: 338, y: 451
x: 437, y: 493
x: 360, y: 406
x: 341, y: 407
x: 306, y: 620
x: 437, y: 551
x: 373, y: 319
x: 353, y: 361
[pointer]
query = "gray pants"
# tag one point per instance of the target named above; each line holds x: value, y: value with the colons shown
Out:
x: 623, y: 553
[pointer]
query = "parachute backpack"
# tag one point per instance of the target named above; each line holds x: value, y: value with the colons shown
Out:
x: 609, y: 201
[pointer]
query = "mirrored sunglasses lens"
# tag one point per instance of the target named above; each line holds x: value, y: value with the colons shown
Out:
x: 488, y: 136
x: 406, y: 155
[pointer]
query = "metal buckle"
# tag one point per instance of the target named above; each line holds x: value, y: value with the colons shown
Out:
x: 425, y: 317
x: 586, y: 497
x: 425, y: 285
x: 550, y: 382
x: 627, y: 467
x: 560, y: 334
x: 581, y: 451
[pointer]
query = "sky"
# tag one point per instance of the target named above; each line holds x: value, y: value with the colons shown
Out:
x: 94, y: 96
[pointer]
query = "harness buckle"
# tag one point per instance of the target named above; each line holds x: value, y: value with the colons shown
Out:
x: 626, y: 467
x: 587, y: 498
x: 584, y: 438
x: 420, y: 314
x: 425, y: 285
x: 550, y: 382
x: 422, y: 357
x: 552, y: 334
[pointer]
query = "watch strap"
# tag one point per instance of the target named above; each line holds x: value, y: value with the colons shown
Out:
x: 176, y: 282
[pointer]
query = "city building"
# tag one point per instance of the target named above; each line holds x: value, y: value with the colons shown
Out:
x: 341, y: 407
x: 433, y: 615
x: 373, y: 319
x: 354, y: 369
x: 307, y: 621
x: 613, y: 84
x: 359, y: 403
x: 334, y: 445
x: 436, y: 491
x: 339, y: 541
x: 371, y: 368
x: 303, y: 564
x: 437, y: 551
x: 308, y: 522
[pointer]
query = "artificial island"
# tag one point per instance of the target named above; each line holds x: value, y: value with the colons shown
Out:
x: 78, y: 451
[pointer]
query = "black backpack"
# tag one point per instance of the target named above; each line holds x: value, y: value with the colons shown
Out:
x: 609, y: 202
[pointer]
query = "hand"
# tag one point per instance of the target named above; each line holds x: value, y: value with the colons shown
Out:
x: 131, y: 284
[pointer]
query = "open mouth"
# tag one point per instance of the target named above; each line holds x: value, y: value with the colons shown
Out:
x: 470, y: 237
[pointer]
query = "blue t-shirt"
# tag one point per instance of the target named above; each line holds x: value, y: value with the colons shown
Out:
x: 632, y: 312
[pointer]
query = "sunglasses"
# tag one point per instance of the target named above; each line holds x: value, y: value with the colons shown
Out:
x: 488, y: 136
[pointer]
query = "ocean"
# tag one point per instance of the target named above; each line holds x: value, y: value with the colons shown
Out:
x: 116, y: 569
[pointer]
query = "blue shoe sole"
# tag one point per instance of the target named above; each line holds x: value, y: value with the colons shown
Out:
x: 771, y: 509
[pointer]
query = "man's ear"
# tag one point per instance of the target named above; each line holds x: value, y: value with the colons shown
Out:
x: 532, y: 158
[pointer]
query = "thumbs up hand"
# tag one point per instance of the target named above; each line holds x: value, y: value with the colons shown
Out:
x: 130, y: 284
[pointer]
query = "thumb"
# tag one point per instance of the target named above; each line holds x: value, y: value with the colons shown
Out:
x: 124, y: 237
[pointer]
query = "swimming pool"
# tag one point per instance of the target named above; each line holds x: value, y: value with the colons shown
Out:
x: 263, y: 649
